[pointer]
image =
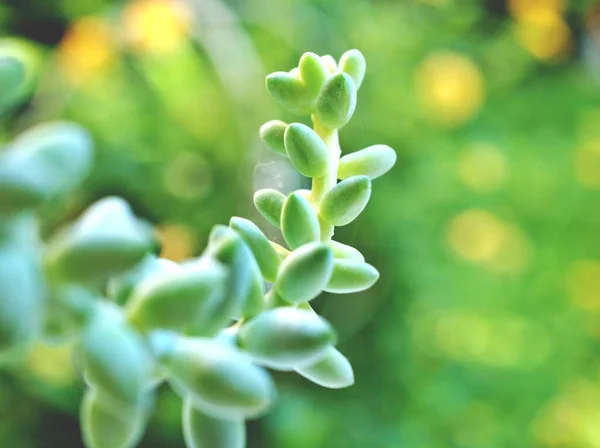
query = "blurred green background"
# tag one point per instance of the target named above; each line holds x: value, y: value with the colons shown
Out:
x: 484, y: 329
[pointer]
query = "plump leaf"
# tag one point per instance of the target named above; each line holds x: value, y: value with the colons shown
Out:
x: 220, y: 380
x: 306, y: 150
x: 115, y: 357
x: 272, y: 134
x: 286, y: 338
x: 12, y: 77
x: 290, y: 92
x: 259, y: 244
x: 269, y: 204
x: 106, y: 240
x: 344, y: 202
x: 43, y: 162
x: 336, y: 101
x: 351, y: 276
x: 282, y: 252
x: 21, y: 300
x: 299, y: 222
x: 172, y: 299
x: 344, y: 251
x: 120, y: 288
x: 106, y: 426
x: 353, y: 62
x: 333, y: 370
x: 330, y: 63
x: 373, y: 161
x: 314, y: 72
x: 202, y: 431
x: 305, y: 273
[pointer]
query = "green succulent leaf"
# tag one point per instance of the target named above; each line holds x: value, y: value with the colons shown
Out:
x: 344, y: 251
x: 106, y: 426
x: 219, y: 380
x: 373, y: 161
x: 351, y: 276
x: 115, y: 357
x: 299, y: 222
x: 290, y: 92
x: 304, y: 274
x: 286, y: 338
x: 314, y: 72
x: 12, y: 77
x: 282, y: 252
x: 330, y: 63
x: 106, y: 240
x: 172, y: 299
x: 269, y: 204
x: 336, y: 101
x: 119, y: 288
x: 344, y: 202
x: 21, y: 300
x: 306, y: 150
x: 43, y: 162
x: 203, y: 431
x: 259, y: 244
x: 333, y: 370
x: 353, y: 62
x: 272, y: 134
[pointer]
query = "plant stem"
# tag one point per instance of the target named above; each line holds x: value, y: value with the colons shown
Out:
x: 321, y: 185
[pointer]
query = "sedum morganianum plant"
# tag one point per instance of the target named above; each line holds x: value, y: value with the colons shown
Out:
x: 209, y: 326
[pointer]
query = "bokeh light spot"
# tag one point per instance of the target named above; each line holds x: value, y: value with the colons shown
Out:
x: 587, y: 164
x: 450, y: 86
x: 482, y: 167
x: 178, y: 242
x: 583, y: 284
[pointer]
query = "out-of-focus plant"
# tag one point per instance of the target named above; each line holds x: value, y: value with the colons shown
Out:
x: 210, y: 325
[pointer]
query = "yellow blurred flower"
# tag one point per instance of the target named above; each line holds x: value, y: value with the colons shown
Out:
x: 86, y: 49
x: 587, y: 164
x: 583, y: 284
x: 451, y: 88
x: 155, y: 26
x: 540, y: 28
x: 482, y: 167
x: 177, y: 240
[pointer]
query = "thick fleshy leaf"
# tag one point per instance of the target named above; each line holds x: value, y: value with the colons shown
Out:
x: 306, y: 150
x: 282, y: 252
x: 336, y: 101
x: 43, y: 162
x: 269, y: 204
x: 259, y: 244
x: 203, y: 431
x: 344, y: 202
x: 12, y: 77
x: 21, y: 300
x: 286, y: 338
x: 353, y: 62
x: 333, y: 370
x: 120, y: 288
x: 299, y: 222
x: 351, y: 276
x: 373, y: 161
x: 344, y: 251
x: 305, y: 273
x: 218, y: 378
x: 290, y: 92
x: 106, y: 426
x: 173, y: 299
x: 115, y: 357
x: 314, y: 72
x: 106, y: 240
x: 272, y: 134
x: 330, y: 62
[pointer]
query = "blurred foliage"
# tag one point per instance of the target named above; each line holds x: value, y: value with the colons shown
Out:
x: 483, y: 330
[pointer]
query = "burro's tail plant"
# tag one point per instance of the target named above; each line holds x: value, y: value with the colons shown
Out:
x: 208, y: 326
